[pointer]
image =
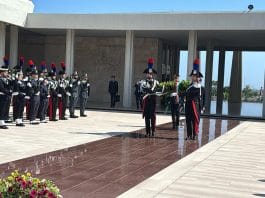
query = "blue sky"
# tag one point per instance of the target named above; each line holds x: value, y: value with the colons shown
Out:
x: 253, y: 77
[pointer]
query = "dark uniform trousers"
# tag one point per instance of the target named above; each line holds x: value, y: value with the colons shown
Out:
x: 62, y: 103
x: 7, y: 108
x: 83, y: 102
x: 34, y: 103
x: 18, y: 106
x: 149, y: 114
x: 53, y: 101
x: 3, y: 105
x: 43, y: 108
x: 72, y: 104
x: 174, y: 112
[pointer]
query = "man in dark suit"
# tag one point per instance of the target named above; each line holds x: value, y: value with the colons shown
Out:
x: 113, y: 90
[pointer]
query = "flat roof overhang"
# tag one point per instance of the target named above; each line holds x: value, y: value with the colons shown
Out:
x: 221, y: 39
x: 149, y: 21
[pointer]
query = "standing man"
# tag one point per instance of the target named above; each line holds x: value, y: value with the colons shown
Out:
x: 4, y: 94
x: 83, y: 95
x: 174, y: 103
x: 33, y: 87
x: 113, y: 90
x: 19, y: 93
x: 149, y: 87
x: 63, y: 92
x: 44, y: 96
x: 53, y: 100
x: 74, y: 89
x: 194, y: 105
x: 138, y: 95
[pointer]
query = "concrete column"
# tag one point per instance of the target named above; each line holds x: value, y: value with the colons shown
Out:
x: 176, y: 62
x: 13, y: 57
x: 220, y: 85
x: 263, y: 112
x: 128, y: 69
x: 192, y: 51
x: 208, y: 77
x: 69, y: 52
x: 234, y: 100
x: 2, y: 42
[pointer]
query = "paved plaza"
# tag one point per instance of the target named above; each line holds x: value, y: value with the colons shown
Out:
x: 231, y: 166
x: 18, y: 143
x: 107, y: 155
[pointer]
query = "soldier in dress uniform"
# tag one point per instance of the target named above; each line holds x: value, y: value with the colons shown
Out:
x: 33, y: 87
x: 194, y: 103
x: 174, y: 103
x: 53, y: 100
x: 10, y: 85
x: 19, y: 93
x: 149, y: 87
x: 27, y: 78
x: 63, y: 92
x: 4, y: 94
x: 44, y: 93
x: 74, y: 90
x: 83, y: 94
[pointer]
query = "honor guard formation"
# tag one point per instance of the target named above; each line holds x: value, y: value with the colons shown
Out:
x: 43, y: 92
x: 40, y: 92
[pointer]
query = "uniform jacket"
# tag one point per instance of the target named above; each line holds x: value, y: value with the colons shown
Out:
x: 84, y: 89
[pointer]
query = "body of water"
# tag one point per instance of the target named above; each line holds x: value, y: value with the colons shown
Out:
x: 248, y: 108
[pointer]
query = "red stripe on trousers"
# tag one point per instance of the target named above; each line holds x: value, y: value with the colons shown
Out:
x: 196, y: 121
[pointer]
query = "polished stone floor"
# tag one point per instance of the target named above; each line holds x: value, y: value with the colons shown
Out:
x: 109, y: 167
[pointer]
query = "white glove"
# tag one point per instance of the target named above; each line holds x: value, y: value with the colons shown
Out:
x: 70, y: 85
x: 29, y: 84
x: 68, y: 94
x: 59, y: 95
x: 14, y: 93
x: 78, y: 83
x: 27, y: 97
x: 88, y: 84
x: 38, y: 93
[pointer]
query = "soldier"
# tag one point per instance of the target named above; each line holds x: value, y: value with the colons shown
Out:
x: 27, y: 79
x: 4, y: 94
x: 33, y: 91
x: 19, y: 93
x: 174, y: 103
x: 83, y: 95
x: 74, y: 89
x: 44, y: 96
x: 194, y: 104
x: 113, y: 90
x: 53, y: 100
x: 63, y: 92
x: 149, y: 88
x: 10, y: 86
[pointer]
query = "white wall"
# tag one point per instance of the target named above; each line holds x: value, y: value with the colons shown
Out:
x: 15, y: 11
